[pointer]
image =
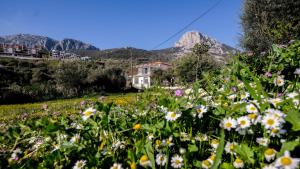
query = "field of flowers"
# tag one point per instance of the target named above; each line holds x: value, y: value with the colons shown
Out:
x: 237, y: 118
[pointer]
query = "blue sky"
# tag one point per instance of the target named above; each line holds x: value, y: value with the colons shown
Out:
x: 119, y: 23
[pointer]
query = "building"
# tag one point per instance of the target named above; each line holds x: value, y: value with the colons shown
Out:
x: 143, y: 77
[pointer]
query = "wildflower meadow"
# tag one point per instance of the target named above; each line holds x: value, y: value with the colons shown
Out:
x: 245, y: 115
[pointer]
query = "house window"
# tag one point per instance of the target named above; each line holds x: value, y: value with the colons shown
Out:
x: 136, y: 80
x: 146, y: 80
x: 146, y: 70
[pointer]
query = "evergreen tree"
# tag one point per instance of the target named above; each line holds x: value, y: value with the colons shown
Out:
x: 269, y: 21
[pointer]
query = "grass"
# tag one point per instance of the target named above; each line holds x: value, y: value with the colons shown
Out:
x: 13, y: 113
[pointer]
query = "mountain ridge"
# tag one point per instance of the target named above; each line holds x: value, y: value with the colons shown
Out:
x: 48, y: 43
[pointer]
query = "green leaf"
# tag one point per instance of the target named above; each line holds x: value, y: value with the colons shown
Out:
x: 192, y: 148
x: 288, y: 146
x: 245, y: 152
x: 220, y: 150
x: 150, y: 154
x: 226, y: 166
x: 197, y: 163
x: 294, y: 118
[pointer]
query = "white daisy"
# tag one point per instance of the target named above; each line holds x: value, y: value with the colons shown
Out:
x: 244, y: 95
x: 251, y: 108
x: 238, y: 163
x: 75, y: 138
x: 229, y: 147
x: 201, y: 110
x: 270, y: 154
x: 297, y: 72
x: 292, y: 95
x: 206, y: 164
x: 214, y: 143
x: 275, y: 102
x: 276, y: 132
x: 228, y: 123
x: 168, y: 142
x: 116, y: 166
x: 287, y: 162
x: 88, y: 113
x: 263, y: 141
x: 161, y: 159
x: 279, y: 81
x: 270, y: 121
x: 79, y: 164
x: 172, y: 116
x: 177, y: 161
x: 243, y: 122
x: 144, y: 161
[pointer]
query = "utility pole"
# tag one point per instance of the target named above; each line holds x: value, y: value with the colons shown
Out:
x: 131, y: 67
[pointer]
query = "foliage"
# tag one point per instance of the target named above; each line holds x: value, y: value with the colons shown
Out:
x: 27, y: 81
x: 242, y: 119
x: 266, y: 22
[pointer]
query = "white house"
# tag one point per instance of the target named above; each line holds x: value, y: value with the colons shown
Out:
x: 143, y: 77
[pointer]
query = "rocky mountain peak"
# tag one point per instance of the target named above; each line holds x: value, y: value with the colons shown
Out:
x: 190, y: 39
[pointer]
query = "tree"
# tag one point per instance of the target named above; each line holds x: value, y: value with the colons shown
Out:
x: 269, y: 21
x: 190, y: 67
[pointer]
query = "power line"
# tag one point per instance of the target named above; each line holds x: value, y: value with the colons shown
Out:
x: 188, y: 25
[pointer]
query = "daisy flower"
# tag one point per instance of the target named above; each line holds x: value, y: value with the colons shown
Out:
x: 79, y: 164
x: 144, y: 161
x: 275, y: 102
x: 161, y: 159
x: 244, y: 95
x: 206, y: 164
x: 270, y: 154
x: 287, y: 162
x: 177, y: 161
x: 116, y: 166
x: 297, y: 72
x: 201, y: 110
x: 228, y: 123
x: 263, y: 141
x: 238, y: 163
x: 88, y: 113
x: 168, y: 142
x: 279, y: 81
x: 214, y: 143
x: 292, y: 95
x: 251, y: 108
x: 229, y: 147
x: 270, y: 121
x: 172, y: 116
x: 276, y: 132
x: 243, y: 122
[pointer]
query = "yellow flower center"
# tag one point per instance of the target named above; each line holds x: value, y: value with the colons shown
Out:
x: 279, y: 81
x: 228, y: 125
x: 269, y: 151
x: 232, y: 147
x: 144, y: 158
x: 158, y: 142
x: 212, y: 157
x: 199, y: 110
x: 275, y: 131
x: 133, y: 165
x: 88, y: 113
x: 270, y: 122
x: 252, y: 108
x: 214, y: 141
x: 177, y: 162
x: 252, y: 116
x: 173, y: 115
x: 286, y: 161
x: 137, y: 126
x: 238, y: 161
x: 206, y: 163
x: 243, y: 122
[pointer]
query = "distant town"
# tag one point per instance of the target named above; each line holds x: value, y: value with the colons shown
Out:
x: 16, y: 50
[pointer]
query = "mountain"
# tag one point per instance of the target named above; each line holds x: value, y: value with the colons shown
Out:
x: 218, y: 50
x: 48, y: 43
